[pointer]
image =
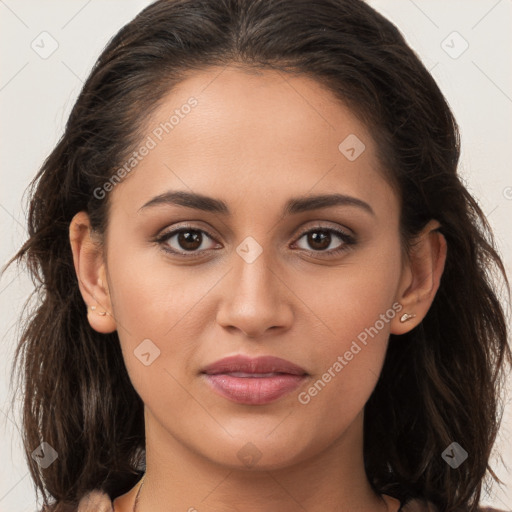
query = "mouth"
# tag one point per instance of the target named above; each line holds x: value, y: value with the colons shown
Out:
x: 253, y: 381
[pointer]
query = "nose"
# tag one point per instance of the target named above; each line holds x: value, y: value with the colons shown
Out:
x: 255, y: 298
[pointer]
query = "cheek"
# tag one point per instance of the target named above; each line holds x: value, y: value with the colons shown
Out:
x: 150, y: 294
x: 350, y: 297
x: 347, y: 364
x: 353, y: 308
x: 155, y: 310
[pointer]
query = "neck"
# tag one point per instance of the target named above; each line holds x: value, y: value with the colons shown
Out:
x: 179, y: 479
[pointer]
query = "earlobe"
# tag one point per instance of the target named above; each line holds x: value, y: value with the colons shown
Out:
x: 420, y: 278
x: 90, y: 272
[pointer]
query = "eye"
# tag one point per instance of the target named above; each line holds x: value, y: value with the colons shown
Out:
x: 186, y: 240
x: 321, y: 238
x: 191, y: 242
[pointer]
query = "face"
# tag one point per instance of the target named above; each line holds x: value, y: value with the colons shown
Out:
x: 315, y: 284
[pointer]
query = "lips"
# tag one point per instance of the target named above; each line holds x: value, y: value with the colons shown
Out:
x: 253, y: 366
x: 253, y: 381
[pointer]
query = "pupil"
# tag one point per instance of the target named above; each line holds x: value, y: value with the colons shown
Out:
x: 189, y: 240
x: 321, y: 238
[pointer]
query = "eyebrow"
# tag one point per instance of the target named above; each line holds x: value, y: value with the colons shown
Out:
x: 293, y: 206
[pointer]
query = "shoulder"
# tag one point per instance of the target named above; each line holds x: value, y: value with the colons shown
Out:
x: 424, y: 506
x: 93, y: 501
x: 99, y: 501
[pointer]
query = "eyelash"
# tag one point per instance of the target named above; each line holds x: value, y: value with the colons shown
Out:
x: 348, y: 241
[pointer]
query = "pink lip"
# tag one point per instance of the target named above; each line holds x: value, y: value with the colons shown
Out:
x: 253, y: 388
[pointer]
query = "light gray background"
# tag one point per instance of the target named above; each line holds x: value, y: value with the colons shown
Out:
x: 36, y: 96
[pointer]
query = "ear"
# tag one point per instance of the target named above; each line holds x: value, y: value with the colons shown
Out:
x: 91, y: 273
x: 420, y: 277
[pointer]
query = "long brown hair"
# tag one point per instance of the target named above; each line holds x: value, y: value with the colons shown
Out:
x: 441, y: 382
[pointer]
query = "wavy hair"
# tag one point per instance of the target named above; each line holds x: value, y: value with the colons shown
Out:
x: 441, y: 382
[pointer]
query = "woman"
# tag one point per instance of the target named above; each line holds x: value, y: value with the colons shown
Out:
x: 265, y: 286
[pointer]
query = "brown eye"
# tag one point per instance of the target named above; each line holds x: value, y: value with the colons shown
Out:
x: 189, y: 240
x: 320, y: 239
x: 185, y: 240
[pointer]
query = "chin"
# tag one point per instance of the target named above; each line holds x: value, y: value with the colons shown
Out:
x: 261, y: 452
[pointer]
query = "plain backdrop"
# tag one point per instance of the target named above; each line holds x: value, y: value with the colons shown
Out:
x: 466, y: 44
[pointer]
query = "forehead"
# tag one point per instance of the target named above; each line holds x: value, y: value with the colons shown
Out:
x: 230, y: 133
x: 248, y: 111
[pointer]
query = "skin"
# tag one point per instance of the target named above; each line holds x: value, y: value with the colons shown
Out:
x: 254, y: 141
